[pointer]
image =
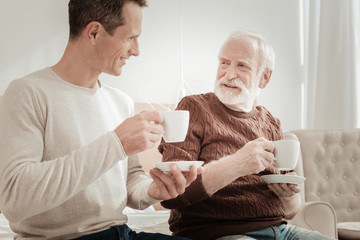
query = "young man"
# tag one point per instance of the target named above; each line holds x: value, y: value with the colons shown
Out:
x: 68, y: 163
x: 234, y: 138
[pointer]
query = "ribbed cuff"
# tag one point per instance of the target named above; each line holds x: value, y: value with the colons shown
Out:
x: 147, y: 198
x: 121, y: 148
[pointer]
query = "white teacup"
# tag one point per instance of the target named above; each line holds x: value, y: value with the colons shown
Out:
x: 286, y: 154
x: 176, y: 124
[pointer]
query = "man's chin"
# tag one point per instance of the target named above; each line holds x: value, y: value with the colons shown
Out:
x: 118, y: 73
x: 115, y: 72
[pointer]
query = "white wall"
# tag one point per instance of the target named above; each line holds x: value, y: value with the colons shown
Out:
x: 36, y: 33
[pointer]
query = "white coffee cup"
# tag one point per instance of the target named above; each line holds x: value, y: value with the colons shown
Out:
x: 176, y: 124
x: 286, y: 154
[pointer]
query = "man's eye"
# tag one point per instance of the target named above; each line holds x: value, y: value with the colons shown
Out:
x: 243, y: 66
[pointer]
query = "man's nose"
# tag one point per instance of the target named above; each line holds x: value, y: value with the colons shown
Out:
x: 134, y: 50
x: 231, y: 73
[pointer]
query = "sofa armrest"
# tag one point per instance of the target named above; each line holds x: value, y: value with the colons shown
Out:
x: 318, y: 216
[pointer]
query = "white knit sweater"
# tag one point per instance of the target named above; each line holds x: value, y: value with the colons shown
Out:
x: 63, y: 171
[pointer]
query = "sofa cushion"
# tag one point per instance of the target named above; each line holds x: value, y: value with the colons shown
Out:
x: 348, y: 230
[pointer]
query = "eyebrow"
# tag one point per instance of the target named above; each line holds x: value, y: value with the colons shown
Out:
x: 223, y: 59
x: 238, y: 61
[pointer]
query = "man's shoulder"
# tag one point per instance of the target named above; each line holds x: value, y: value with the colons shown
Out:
x: 267, y: 115
x: 117, y: 93
x: 118, y: 98
x: 34, y: 76
x: 198, y: 99
x: 32, y: 81
x: 201, y: 96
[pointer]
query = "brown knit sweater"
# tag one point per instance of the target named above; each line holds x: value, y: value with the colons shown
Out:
x: 244, y: 205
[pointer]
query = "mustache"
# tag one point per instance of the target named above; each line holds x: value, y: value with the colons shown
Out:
x: 235, y: 82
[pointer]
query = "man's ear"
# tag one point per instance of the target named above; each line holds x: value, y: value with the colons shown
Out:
x: 92, y: 31
x: 265, y: 78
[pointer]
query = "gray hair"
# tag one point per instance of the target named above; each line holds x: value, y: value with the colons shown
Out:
x: 267, y: 54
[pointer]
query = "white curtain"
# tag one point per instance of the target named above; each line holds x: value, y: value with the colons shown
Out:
x: 332, y: 50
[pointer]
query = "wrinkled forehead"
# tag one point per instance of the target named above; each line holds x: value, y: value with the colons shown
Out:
x: 241, y: 48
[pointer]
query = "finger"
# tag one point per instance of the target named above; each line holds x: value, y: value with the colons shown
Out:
x: 154, y: 137
x: 269, y: 158
x: 268, y: 145
x: 179, y: 179
x: 273, y: 189
x: 158, y: 182
x: 294, y: 187
x: 167, y: 181
x: 155, y: 128
x: 277, y: 191
x: 191, y: 176
x: 276, y: 187
x: 156, y: 178
x: 264, y: 144
x: 164, y: 183
x: 199, y: 170
x: 153, y: 116
x: 282, y: 189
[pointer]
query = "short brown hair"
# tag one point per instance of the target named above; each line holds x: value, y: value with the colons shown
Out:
x: 106, y: 12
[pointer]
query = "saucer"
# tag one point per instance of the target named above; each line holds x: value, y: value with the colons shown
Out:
x: 280, y: 178
x: 183, y: 165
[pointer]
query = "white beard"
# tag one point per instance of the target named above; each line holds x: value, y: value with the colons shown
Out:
x: 243, y: 101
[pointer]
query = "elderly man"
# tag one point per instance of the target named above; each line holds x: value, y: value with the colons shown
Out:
x: 234, y: 138
x: 68, y: 163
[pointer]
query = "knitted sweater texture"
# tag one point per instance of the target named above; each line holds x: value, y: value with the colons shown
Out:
x: 244, y: 205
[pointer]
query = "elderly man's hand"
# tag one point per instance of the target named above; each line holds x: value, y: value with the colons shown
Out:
x: 289, y: 195
x: 254, y: 157
x: 285, y: 190
x: 170, y: 185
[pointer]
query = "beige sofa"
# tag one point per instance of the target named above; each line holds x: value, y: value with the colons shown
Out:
x: 330, y: 160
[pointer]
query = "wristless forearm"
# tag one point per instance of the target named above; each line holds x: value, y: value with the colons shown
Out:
x: 219, y: 173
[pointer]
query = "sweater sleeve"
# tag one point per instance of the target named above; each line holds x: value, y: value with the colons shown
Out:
x: 138, y: 184
x: 189, y: 150
x: 30, y: 185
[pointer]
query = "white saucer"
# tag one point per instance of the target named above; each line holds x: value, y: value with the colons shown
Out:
x: 183, y: 165
x: 280, y: 178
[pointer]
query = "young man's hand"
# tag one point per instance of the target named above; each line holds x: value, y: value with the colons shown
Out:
x: 170, y: 185
x: 140, y: 132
